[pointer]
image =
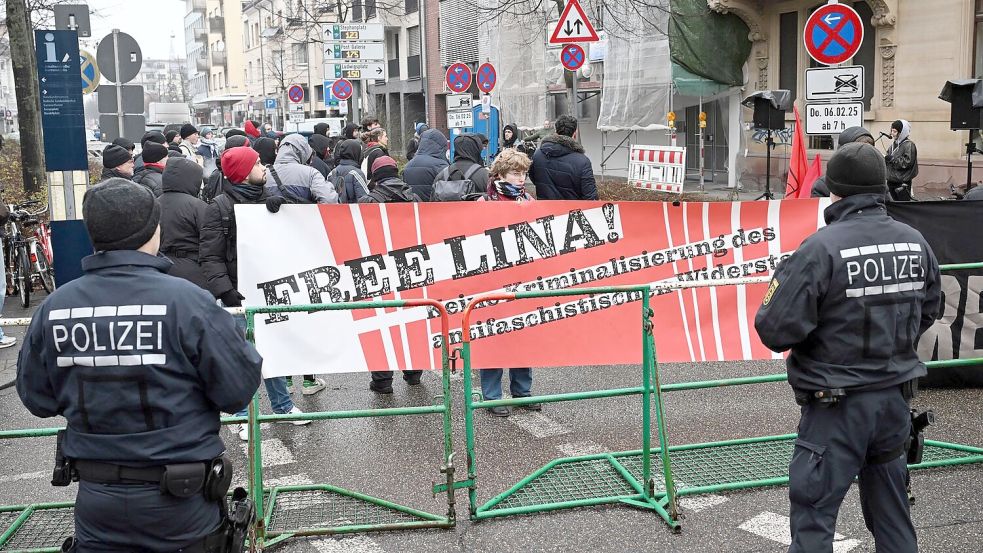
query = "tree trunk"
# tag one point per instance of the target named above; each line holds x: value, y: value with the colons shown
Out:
x: 28, y: 99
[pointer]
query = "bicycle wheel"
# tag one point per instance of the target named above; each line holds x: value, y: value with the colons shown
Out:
x: 44, y: 271
x: 24, y: 276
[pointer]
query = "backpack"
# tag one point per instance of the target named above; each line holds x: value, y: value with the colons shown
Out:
x: 446, y: 190
x: 365, y: 158
x: 346, y: 196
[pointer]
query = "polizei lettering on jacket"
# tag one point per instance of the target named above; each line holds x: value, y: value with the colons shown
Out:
x: 883, y: 269
x: 455, y: 258
x: 109, y: 336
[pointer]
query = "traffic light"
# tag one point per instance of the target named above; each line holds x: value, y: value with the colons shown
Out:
x: 672, y: 119
x: 703, y: 119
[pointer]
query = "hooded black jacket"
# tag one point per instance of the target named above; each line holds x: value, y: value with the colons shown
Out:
x: 467, y: 152
x: 181, y: 217
x: 514, y: 142
x: 319, y: 143
x: 266, y: 148
x: 429, y: 161
x: 391, y: 190
x: 561, y: 171
x: 347, y: 177
x: 151, y: 178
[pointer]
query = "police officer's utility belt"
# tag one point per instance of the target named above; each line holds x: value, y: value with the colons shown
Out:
x: 212, y: 478
x: 833, y: 396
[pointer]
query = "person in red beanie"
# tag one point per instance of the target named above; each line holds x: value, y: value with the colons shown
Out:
x: 217, y: 251
x: 252, y: 129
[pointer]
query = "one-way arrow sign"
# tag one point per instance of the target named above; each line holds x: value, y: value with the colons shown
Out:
x: 573, y: 26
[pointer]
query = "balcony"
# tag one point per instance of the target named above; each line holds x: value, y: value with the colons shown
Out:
x: 216, y: 24
x: 413, y: 67
x: 219, y: 57
x: 199, y: 6
x: 412, y: 6
x: 201, y: 35
x: 295, y: 22
x: 393, y: 69
x: 201, y: 64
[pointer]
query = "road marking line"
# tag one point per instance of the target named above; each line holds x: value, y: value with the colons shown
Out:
x: 24, y: 476
x: 292, y: 480
x: 776, y: 528
x: 349, y: 544
x: 274, y: 453
x: 579, y: 449
x: 539, y: 425
x: 697, y: 503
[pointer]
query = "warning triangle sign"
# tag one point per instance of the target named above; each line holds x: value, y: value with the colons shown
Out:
x: 573, y: 26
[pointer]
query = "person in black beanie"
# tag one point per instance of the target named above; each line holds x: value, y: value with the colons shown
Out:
x: 189, y: 143
x: 149, y: 136
x: 235, y: 132
x: 266, y: 147
x: 173, y: 141
x: 149, y: 396
x: 323, y: 161
x: 850, y: 304
x: 116, y: 162
x: 125, y: 143
x: 155, y: 157
x: 321, y: 129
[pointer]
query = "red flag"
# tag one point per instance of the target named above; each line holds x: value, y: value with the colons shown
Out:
x: 798, y: 164
x: 814, y: 172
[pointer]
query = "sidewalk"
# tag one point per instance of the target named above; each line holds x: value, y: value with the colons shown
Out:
x: 8, y: 356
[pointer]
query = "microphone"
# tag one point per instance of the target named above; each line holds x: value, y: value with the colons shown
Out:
x: 885, y: 135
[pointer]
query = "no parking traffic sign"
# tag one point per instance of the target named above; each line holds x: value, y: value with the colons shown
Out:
x: 833, y: 34
x: 458, y: 77
x: 572, y: 57
x: 296, y: 94
x: 487, y: 77
x: 342, y: 89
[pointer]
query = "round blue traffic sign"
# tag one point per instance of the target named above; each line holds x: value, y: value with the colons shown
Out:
x: 296, y: 93
x: 487, y: 77
x: 458, y: 77
x: 342, y: 89
x: 833, y: 34
x: 572, y: 57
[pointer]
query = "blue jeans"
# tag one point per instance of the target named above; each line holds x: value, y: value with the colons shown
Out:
x: 276, y: 387
x: 520, y: 383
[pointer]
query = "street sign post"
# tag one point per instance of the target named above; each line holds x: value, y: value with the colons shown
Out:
x: 132, y: 99
x: 835, y: 83
x: 355, y: 32
x: 296, y: 113
x: 62, y: 116
x: 295, y: 93
x: 460, y: 119
x: 355, y: 51
x: 833, y: 33
x: 572, y: 57
x: 90, y: 72
x: 573, y: 26
x: 73, y: 17
x: 119, y: 57
x: 458, y: 77
x: 456, y: 102
x: 833, y: 118
x: 486, y: 77
x: 271, y: 104
x: 360, y: 71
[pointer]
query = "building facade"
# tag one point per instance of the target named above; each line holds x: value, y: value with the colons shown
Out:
x: 163, y: 80
x: 213, y: 39
x: 911, y: 48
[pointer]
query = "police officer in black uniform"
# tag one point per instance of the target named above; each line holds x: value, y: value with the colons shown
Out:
x: 140, y: 364
x: 851, y: 304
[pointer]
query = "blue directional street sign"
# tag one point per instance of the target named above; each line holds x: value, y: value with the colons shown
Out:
x: 62, y: 115
x: 271, y: 103
x: 330, y: 99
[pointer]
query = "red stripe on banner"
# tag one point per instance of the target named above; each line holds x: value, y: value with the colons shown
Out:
x: 374, y: 351
x: 754, y: 218
x: 340, y: 227
x: 719, y: 222
x: 397, y: 338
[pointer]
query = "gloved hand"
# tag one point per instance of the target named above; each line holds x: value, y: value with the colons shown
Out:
x: 232, y: 298
x: 273, y: 203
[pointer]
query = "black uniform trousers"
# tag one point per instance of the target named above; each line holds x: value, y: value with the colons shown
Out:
x: 833, y: 447
x: 129, y: 518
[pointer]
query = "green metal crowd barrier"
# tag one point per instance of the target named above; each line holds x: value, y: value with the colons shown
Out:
x: 627, y: 477
x: 283, y: 512
x: 653, y: 477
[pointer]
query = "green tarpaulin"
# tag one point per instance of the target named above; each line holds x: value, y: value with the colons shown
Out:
x: 708, y: 45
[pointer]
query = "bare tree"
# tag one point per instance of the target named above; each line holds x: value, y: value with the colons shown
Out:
x: 22, y: 57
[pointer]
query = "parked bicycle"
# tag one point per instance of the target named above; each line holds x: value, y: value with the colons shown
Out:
x: 28, y: 254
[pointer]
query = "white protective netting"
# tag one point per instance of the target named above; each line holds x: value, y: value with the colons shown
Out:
x: 637, y: 68
x: 512, y: 36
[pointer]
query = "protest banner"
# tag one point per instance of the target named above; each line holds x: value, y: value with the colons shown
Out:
x: 454, y: 251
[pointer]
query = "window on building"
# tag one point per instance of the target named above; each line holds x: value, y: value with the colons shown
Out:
x: 299, y: 53
x: 356, y: 10
x: 413, y: 46
x: 788, y: 52
x: 412, y: 6
x: 978, y: 40
x: 369, y: 9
